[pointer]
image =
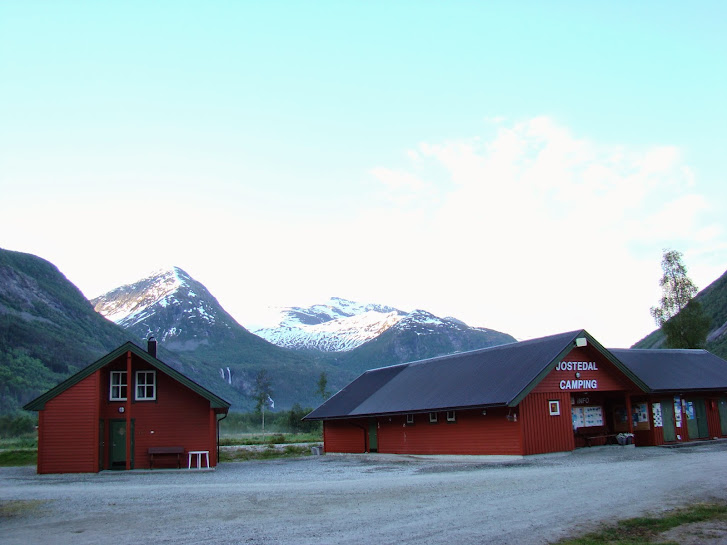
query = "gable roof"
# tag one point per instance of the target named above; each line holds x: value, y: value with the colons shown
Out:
x: 38, y: 404
x: 676, y: 370
x: 497, y: 376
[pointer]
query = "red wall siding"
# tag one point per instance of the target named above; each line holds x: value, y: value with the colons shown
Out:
x: 715, y: 429
x: 543, y: 432
x: 68, y: 431
x: 472, y: 433
x: 607, y: 376
x: 178, y: 417
x: 345, y: 435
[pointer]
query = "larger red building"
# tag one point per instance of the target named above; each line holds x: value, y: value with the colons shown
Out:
x: 117, y: 412
x: 544, y: 395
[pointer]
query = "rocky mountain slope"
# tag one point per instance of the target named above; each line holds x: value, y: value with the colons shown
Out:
x: 48, y: 330
x: 714, y: 302
x: 188, y: 320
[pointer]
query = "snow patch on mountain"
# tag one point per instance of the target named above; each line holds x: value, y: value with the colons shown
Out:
x: 340, y: 325
x: 168, y: 289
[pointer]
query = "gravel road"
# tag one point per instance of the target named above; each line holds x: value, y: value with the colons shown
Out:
x: 352, y: 499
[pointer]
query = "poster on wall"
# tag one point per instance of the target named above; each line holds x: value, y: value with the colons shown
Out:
x: 656, y: 409
x: 640, y: 416
x: 677, y: 411
x: 690, y: 411
x: 593, y: 416
x: 587, y: 416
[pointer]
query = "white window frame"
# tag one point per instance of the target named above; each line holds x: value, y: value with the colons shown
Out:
x: 117, y: 386
x: 451, y: 416
x: 144, y: 384
x: 410, y: 419
x: 433, y: 418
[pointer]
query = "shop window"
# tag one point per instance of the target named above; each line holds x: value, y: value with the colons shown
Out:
x: 146, y: 385
x: 117, y: 390
x: 410, y: 419
x: 451, y: 416
x: 433, y: 418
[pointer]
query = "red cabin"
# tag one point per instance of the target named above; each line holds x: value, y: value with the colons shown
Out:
x: 128, y: 410
x: 550, y: 394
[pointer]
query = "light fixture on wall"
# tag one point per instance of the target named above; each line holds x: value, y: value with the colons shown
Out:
x: 581, y: 341
x: 484, y: 412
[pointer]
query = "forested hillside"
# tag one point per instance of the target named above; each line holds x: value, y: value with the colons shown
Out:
x: 713, y: 299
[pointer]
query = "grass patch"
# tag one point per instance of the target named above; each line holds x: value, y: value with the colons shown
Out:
x: 17, y: 508
x: 269, y: 453
x: 18, y: 457
x: 275, y: 438
x: 644, y: 530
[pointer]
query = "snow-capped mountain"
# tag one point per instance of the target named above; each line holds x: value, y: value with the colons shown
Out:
x: 169, y: 304
x: 340, y: 325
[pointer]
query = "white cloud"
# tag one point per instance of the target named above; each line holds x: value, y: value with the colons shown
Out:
x: 537, y: 231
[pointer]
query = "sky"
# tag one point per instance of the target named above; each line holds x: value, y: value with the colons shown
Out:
x: 520, y: 166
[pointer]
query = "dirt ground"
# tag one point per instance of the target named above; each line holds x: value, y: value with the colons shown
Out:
x: 353, y: 499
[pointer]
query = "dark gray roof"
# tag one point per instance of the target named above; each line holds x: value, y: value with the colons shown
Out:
x: 675, y: 370
x: 496, y: 376
x: 216, y: 402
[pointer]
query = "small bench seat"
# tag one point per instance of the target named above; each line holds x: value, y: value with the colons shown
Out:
x: 165, y: 451
x: 589, y: 433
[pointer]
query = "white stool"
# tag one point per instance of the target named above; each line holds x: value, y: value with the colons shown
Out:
x: 199, y: 454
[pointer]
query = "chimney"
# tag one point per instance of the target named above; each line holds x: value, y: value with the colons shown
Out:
x: 151, y: 346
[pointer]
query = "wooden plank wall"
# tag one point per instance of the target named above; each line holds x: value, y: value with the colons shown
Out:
x: 68, y: 430
x: 345, y: 436
x: 543, y: 432
x: 471, y: 433
x: 178, y: 417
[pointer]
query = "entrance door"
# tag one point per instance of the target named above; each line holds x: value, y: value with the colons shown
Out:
x: 373, y: 439
x: 723, y: 414
x: 117, y: 438
x: 667, y: 418
x: 697, y: 419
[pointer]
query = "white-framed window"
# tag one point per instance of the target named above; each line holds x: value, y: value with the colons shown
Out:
x: 146, y: 385
x: 433, y: 418
x: 554, y: 407
x: 117, y: 386
x: 410, y: 419
x: 451, y: 416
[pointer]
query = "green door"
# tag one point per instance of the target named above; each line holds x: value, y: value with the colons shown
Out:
x: 667, y: 418
x: 117, y: 438
x: 723, y: 414
x: 373, y: 439
x: 697, y: 419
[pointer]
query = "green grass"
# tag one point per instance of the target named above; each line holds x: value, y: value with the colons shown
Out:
x: 272, y: 438
x: 269, y: 453
x: 644, y: 530
x: 18, y: 457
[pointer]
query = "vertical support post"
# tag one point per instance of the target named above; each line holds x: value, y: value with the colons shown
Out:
x: 127, y: 408
x: 628, y: 413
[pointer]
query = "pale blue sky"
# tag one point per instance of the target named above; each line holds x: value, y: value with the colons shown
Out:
x: 519, y: 165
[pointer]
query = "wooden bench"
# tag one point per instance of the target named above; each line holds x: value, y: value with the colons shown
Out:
x: 165, y: 451
x: 589, y: 433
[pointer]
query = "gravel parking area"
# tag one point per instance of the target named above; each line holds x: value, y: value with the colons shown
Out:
x: 351, y: 499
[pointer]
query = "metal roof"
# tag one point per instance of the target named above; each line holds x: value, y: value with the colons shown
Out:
x: 38, y: 404
x: 675, y: 370
x: 496, y: 376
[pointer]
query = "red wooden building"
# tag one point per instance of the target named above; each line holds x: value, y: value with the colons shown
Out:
x: 117, y: 412
x: 544, y: 395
